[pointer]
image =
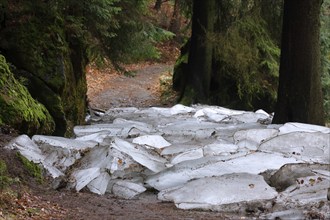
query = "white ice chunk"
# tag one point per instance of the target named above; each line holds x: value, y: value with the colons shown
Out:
x: 260, y: 111
x: 127, y: 189
x: 152, y: 161
x: 312, y: 147
x: 97, y: 137
x: 250, y: 117
x: 84, y: 177
x: 294, y: 127
x: 191, y: 127
x: 27, y: 148
x: 180, y: 109
x: 220, y: 193
x: 181, y: 173
x: 99, y: 184
x: 219, y: 149
x: 113, y: 130
x: 62, y: 142
x: 251, y: 138
x: 155, y: 141
x: 179, y: 148
x: 187, y: 155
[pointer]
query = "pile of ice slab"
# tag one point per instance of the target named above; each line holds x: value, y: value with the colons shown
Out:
x: 199, y: 157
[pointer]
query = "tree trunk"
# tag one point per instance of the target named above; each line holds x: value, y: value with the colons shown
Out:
x: 176, y: 19
x: 299, y: 93
x: 158, y: 5
x: 200, y: 54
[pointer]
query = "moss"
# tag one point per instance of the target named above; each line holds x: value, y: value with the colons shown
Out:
x: 34, y: 169
x: 5, y: 180
x: 18, y: 108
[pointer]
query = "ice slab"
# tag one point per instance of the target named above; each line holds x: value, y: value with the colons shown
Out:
x: 256, y: 136
x: 155, y: 141
x: 33, y: 153
x: 27, y: 148
x: 62, y: 142
x: 126, y: 189
x: 188, y: 155
x: 294, y: 127
x: 220, y: 193
x: 99, y: 184
x: 119, y: 129
x: 180, y: 109
x: 312, y: 147
x: 249, y: 117
x: 80, y: 178
x: 179, y: 148
x: 141, y: 155
x: 181, y: 173
x: 219, y: 149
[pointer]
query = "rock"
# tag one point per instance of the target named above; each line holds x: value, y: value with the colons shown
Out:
x: 291, y: 214
x: 18, y: 108
x: 287, y: 175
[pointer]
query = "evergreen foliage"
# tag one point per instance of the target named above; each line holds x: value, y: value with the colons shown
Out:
x: 246, y: 58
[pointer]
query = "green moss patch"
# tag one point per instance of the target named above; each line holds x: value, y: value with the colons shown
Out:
x: 34, y: 169
x: 18, y: 108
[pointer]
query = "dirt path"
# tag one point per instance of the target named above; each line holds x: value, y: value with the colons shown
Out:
x: 117, y: 90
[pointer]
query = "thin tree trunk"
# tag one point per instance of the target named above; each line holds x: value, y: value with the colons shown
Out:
x: 158, y: 5
x: 299, y: 94
x: 200, y: 54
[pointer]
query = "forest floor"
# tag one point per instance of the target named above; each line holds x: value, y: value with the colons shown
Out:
x: 26, y: 198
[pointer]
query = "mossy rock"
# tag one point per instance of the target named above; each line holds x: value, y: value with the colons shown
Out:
x: 18, y: 108
x: 53, y: 63
x: 33, y: 169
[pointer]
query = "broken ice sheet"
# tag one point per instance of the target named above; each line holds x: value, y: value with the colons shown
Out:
x: 216, y: 149
x: 126, y: 189
x: 27, y: 148
x: 181, y: 173
x: 294, y: 127
x: 141, y: 155
x: 219, y: 193
x: 33, y: 153
x: 62, y: 142
x: 99, y: 184
x: 311, y: 147
x: 187, y: 155
x: 82, y: 177
x: 154, y: 141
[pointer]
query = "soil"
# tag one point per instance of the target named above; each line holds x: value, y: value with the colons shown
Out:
x: 29, y: 199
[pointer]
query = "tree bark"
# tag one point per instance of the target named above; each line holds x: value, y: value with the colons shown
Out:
x: 300, y: 93
x: 158, y: 5
x: 200, y: 54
